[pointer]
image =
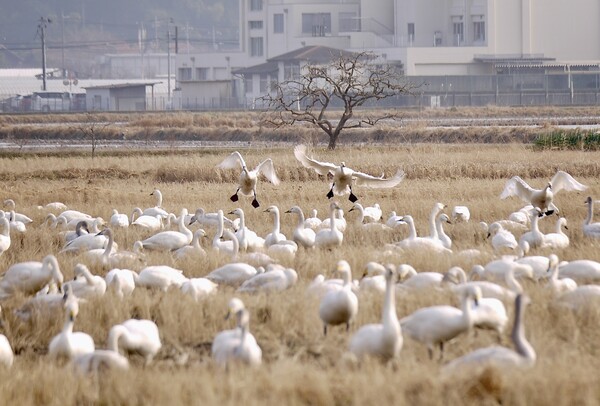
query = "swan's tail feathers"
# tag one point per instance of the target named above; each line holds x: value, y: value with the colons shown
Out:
x: 365, y: 180
x: 266, y: 168
x: 516, y: 186
x: 563, y: 181
x: 232, y: 161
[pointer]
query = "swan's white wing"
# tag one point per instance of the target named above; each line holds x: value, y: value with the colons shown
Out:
x: 562, y: 180
x: 267, y: 169
x: 517, y: 187
x: 362, y: 179
x: 322, y: 168
x: 232, y: 161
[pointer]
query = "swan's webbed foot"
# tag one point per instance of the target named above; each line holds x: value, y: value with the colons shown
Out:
x: 352, y: 197
x: 330, y: 194
x: 549, y: 213
x: 234, y: 198
x: 255, y: 203
x: 325, y: 330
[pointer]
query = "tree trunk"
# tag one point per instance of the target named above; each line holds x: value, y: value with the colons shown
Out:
x: 332, y: 141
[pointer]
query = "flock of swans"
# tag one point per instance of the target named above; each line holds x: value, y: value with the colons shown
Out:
x: 256, y: 265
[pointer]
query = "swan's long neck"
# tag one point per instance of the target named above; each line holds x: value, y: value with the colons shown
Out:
x: 347, y: 278
x: 68, y: 326
x: 512, y: 282
x: 361, y: 214
x: 236, y: 247
x: 534, y: 225
x: 389, y: 318
x: 276, y: 222
x: 183, y: 229
x: 108, y: 248
x: 196, y: 240
x: 113, y: 338
x: 432, y: 223
x: 300, y: 220
x: 332, y: 219
x: 554, y: 271
x: 523, y: 346
x: 467, y: 304
x: 590, y: 214
x: 135, y: 211
x: 242, y: 217
x: 440, y: 230
x: 158, y: 198
x: 87, y: 275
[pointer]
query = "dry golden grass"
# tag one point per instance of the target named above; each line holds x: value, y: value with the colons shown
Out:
x: 300, y: 366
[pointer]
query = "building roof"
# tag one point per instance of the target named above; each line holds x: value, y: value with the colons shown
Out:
x: 121, y: 85
x: 267, y: 67
x: 312, y: 53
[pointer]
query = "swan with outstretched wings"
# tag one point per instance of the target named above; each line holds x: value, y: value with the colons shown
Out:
x: 249, y: 178
x: 343, y: 176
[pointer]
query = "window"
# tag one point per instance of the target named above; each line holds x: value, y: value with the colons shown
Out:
x: 277, y: 23
x: 478, y: 28
x: 264, y: 82
x: 411, y: 32
x: 291, y: 71
x: 201, y: 73
x: 316, y: 24
x: 256, y: 46
x: 248, y: 84
x: 255, y: 25
x: 185, y: 73
x: 458, y: 32
x: 256, y: 5
x: 349, y: 22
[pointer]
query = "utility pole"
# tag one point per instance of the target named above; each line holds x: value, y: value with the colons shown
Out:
x: 42, y: 29
x: 169, y: 62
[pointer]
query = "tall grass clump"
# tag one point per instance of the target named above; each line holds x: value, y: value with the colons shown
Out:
x: 569, y: 139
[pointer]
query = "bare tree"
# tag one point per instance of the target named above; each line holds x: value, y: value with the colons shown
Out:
x: 91, y: 130
x: 349, y: 81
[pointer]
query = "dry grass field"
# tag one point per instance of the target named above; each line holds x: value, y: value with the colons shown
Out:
x: 300, y: 366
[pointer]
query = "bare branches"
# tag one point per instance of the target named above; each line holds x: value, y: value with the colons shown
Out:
x: 347, y: 82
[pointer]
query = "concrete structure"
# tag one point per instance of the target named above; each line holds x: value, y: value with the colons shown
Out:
x: 121, y: 97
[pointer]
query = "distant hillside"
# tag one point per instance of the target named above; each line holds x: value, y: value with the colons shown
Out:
x: 110, y: 26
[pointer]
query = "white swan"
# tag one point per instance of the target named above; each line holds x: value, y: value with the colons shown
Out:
x: 339, y: 306
x: 501, y: 357
x: 160, y: 277
x: 581, y: 270
x: 248, y: 239
x: 413, y: 242
x: 332, y: 237
x: 7, y: 355
x: 586, y: 296
x: 535, y: 238
x: 12, y: 207
x: 233, y: 273
x: 501, y: 270
x: 15, y: 225
x: 93, y: 362
x: 80, y: 229
x: 439, y: 225
x: 275, y: 280
x: 558, y: 239
x: 541, y: 199
x: 381, y: 340
x: 170, y: 240
x: 240, y: 347
x: 249, y: 178
x: 110, y: 257
x: 437, y: 209
x: 156, y: 210
x: 461, y: 214
x: 122, y: 281
x: 302, y: 235
x: 86, y: 242
x: 502, y: 239
x: 5, y: 235
x: 210, y: 219
x: 487, y: 288
x: 194, y: 250
x: 222, y: 338
x: 146, y: 222
x: 218, y: 244
x: 490, y: 314
x: 437, y: 324
x: 589, y: 228
x: 558, y: 286
x: 68, y: 344
x: 119, y: 220
x: 71, y: 215
x: 275, y: 236
x: 85, y: 285
x: 373, y: 279
x: 53, y: 206
x: 413, y: 280
x: 371, y: 214
x: 29, y: 277
x: 393, y: 220
x: 135, y: 336
x: 344, y: 176
x: 312, y: 221
x: 198, y: 288
x: 339, y: 221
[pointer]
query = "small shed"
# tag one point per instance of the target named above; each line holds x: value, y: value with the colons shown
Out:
x: 118, y: 97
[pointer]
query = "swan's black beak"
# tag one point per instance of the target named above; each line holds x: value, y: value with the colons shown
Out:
x: 489, y: 235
